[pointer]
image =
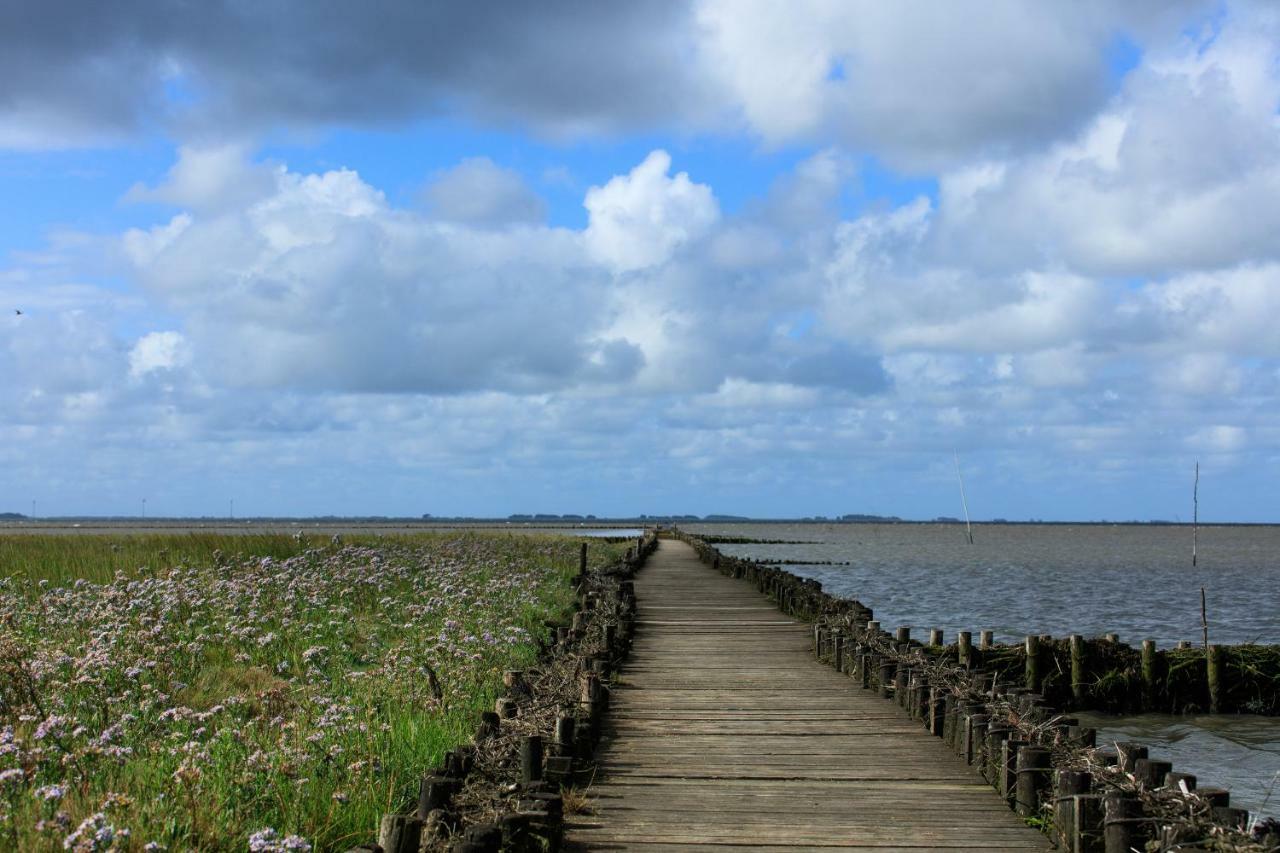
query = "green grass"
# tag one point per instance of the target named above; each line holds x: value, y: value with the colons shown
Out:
x: 194, y: 701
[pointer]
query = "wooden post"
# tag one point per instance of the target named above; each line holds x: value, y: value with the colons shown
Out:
x: 964, y: 641
x: 490, y: 725
x: 864, y: 670
x: 400, y: 833
x: 1085, y: 736
x: 531, y: 758
x: 936, y: 718
x: 1150, y: 772
x: 992, y: 769
x: 1149, y: 674
x: 950, y: 709
x: 976, y: 739
x: 505, y: 708
x: 838, y: 650
x: 901, y: 677
x: 582, y: 559
x: 1008, y: 781
x: 1128, y: 754
x: 1033, y: 663
x: 1034, y: 764
x: 986, y: 639
x: 484, y: 837
x: 565, y: 724
x: 903, y: 634
x: 1113, y: 638
x: 1086, y: 824
x: 935, y: 637
x: 873, y: 626
x: 1122, y: 828
x: 434, y: 793
x: 920, y: 700
x: 1213, y: 672
x: 1079, y: 688
x: 887, y: 669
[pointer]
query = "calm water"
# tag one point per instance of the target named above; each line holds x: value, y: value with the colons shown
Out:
x: 1042, y: 579
x: 1022, y: 579
x: 1239, y: 753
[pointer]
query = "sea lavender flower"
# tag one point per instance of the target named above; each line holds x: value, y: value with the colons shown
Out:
x: 50, y: 793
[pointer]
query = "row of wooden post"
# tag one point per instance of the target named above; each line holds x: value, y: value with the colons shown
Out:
x: 1087, y: 818
x: 538, y: 820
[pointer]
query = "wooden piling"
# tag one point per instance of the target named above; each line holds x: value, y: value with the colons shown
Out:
x: 1123, y: 827
x: 937, y: 715
x: 903, y: 634
x: 1033, y: 663
x: 434, y: 792
x: 935, y: 637
x: 1034, y: 764
x: 531, y: 758
x: 565, y: 724
x: 986, y: 639
x: 1008, y: 781
x: 887, y: 671
x: 1148, y: 672
x: 1067, y: 785
x: 964, y: 643
x: 399, y: 833
x: 1213, y: 672
x: 993, y: 752
x: 1086, y: 824
x: 1128, y: 754
x: 1079, y: 687
x: 1150, y: 772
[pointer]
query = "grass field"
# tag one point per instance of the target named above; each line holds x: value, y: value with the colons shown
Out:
x: 206, y: 692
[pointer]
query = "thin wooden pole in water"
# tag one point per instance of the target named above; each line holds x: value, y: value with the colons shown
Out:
x: 1195, y: 514
x: 968, y: 528
x: 1204, y: 622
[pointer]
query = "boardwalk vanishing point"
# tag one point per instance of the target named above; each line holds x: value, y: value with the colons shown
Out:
x: 724, y: 733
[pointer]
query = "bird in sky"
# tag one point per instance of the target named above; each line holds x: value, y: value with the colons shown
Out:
x: 18, y: 312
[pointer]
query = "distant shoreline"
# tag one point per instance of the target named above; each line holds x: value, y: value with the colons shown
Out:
x: 13, y: 522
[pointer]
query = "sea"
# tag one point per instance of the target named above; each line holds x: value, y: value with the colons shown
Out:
x: 1135, y: 580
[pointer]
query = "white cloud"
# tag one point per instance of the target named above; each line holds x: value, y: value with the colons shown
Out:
x: 1180, y: 171
x: 639, y: 219
x: 479, y: 192
x: 210, y: 178
x: 919, y: 84
x: 158, y: 351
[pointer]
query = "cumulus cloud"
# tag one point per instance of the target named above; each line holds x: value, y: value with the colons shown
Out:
x: 1180, y: 171
x: 921, y: 84
x: 479, y: 192
x: 639, y: 219
x: 209, y: 178
x: 158, y: 351
x: 1094, y: 273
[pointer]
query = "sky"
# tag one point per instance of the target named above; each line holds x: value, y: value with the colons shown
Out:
x: 723, y: 256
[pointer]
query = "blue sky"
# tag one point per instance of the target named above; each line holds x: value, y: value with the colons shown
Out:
x: 736, y: 257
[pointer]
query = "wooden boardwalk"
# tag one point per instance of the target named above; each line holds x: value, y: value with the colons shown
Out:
x: 725, y: 733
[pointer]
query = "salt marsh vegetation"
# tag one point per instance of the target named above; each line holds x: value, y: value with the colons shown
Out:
x: 271, y: 694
